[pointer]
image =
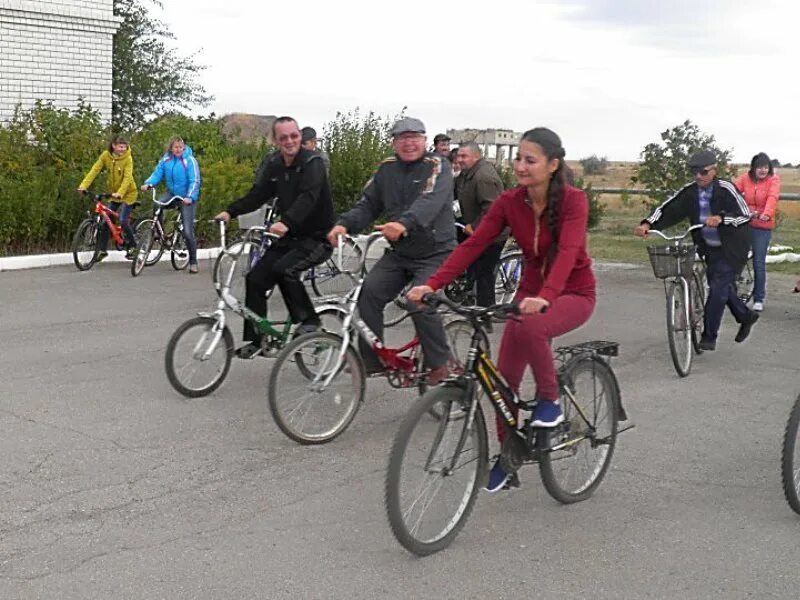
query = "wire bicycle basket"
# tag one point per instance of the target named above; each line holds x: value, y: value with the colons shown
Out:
x: 672, y: 261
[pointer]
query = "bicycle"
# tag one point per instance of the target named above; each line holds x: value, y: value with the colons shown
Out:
x: 84, y: 242
x: 200, y: 351
x: 685, y: 291
x: 745, y: 280
x: 153, y: 239
x: 318, y: 382
x: 445, y: 461
x: 790, y: 460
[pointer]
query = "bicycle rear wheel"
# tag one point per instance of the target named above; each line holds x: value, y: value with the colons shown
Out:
x: 179, y: 252
x: 576, y: 454
x: 84, y: 245
x: 507, y: 276
x: 679, y: 328
x: 304, y: 408
x: 199, y: 356
x: 790, y: 459
x: 435, y: 470
x: 327, y: 279
x: 156, y: 250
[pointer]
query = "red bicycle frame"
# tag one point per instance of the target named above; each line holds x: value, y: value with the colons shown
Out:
x: 106, y: 214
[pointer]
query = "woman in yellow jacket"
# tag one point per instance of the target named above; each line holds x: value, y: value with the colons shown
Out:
x: 118, y: 162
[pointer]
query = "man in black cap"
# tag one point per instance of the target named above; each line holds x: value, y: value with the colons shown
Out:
x: 413, y: 191
x: 723, y: 243
x: 441, y: 145
x: 309, y: 142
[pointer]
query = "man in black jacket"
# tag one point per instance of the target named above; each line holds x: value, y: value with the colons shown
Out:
x: 723, y: 243
x: 298, y: 178
x: 413, y: 190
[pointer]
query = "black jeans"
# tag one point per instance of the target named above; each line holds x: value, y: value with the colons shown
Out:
x: 721, y: 292
x: 283, y: 264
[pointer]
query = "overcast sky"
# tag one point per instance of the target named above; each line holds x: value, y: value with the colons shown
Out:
x: 607, y: 75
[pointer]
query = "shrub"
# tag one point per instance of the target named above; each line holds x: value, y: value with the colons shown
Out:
x: 592, y: 165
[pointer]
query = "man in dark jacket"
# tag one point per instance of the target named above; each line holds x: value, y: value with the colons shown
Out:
x: 723, y: 243
x: 477, y: 185
x: 297, y: 177
x: 413, y: 190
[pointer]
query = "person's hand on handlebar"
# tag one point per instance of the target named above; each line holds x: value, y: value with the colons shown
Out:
x: 146, y: 187
x: 115, y: 195
x: 641, y: 230
x: 532, y: 306
x: 279, y: 229
x: 224, y: 216
x: 82, y: 191
x: 416, y: 293
x: 392, y: 230
x: 333, y: 234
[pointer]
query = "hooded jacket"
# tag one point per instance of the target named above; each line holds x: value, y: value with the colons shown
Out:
x: 120, y: 175
x: 761, y: 197
x: 182, y: 174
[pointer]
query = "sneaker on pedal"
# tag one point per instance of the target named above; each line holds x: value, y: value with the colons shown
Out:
x: 305, y: 328
x: 547, y: 413
x: 101, y: 255
x: 497, y: 478
x: 248, y: 351
x: 130, y: 253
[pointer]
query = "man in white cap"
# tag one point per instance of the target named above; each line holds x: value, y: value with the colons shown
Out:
x: 413, y: 191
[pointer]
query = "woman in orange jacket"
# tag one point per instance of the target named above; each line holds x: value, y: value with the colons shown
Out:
x: 761, y: 188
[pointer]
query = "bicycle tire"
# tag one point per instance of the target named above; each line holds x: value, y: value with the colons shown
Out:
x: 327, y: 279
x: 409, y: 451
x: 697, y: 293
x: 790, y: 462
x: 745, y: 281
x: 508, y: 275
x: 581, y: 375
x: 679, y: 328
x: 157, y: 249
x: 84, y: 245
x: 142, y: 251
x: 176, y: 375
x: 179, y: 251
x: 296, y: 378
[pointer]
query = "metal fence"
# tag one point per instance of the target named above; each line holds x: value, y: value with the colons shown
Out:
x: 640, y: 192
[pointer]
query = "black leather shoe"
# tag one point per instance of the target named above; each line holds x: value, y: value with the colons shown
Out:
x: 707, y: 345
x: 744, y: 328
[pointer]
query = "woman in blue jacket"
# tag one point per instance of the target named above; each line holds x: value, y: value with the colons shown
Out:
x: 179, y: 168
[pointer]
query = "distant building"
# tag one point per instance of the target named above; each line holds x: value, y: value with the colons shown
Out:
x: 56, y: 50
x: 497, y: 144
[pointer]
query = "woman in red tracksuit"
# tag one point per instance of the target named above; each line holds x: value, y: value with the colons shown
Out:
x: 548, y: 218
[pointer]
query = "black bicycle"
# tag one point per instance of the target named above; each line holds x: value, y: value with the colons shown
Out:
x: 437, y: 464
x: 790, y: 458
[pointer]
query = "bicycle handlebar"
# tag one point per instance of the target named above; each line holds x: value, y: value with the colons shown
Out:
x: 674, y: 238
x: 504, y: 311
x: 165, y: 202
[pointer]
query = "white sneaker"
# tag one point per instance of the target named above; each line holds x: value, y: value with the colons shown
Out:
x: 758, y: 306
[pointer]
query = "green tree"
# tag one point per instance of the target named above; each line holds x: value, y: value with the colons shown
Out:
x: 593, y: 165
x: 356, y: 145
x: 663, y: 165
x: 149, y: 77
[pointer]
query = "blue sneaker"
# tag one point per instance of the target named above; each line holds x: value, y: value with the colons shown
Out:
x: 497, y: 478
x: 547, y: 413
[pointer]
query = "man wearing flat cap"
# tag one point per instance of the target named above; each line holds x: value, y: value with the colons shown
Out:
x: 441, y: 145
x: 309, y: 141
x: 413, y: 192
x: 723, y: 242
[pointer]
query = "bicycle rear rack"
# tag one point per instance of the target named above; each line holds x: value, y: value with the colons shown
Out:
x: 600, y: 347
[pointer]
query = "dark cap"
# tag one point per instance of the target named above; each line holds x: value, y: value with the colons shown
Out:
x: 441, y: 137
x: 308, y: 133
x: 407, y: 124
x: 703, y: 158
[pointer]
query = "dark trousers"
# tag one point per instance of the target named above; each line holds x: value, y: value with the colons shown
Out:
x: 721, y: 293
x: 387, y: 279
x: 482, y: 273
x: 283, y: 264
x: 124, y: 211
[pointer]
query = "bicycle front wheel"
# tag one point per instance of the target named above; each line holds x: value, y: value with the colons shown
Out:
x: 697, y: 294
x: 507, y: 276
x: 306, y: 406
x: 679, y: 328
x: 436, y: 468
x: 790, y: 459
x: 142, y: 251
x: 179, y: 253
x: 327, y: 279
x: 576, y: 454
x: 84, y: 245
x: 156, y: 249
x: 199, y: 356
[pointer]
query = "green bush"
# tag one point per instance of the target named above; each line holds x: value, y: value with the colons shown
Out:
x: 596, y: 208
x: 592, y: 165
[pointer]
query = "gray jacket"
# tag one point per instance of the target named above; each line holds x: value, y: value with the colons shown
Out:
x: 419, y: 195
x: 477, y: 188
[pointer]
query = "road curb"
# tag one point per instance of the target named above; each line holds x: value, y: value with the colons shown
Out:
x: 38, y: 261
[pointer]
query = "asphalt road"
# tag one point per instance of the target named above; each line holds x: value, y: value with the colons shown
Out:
x: 114, y: 486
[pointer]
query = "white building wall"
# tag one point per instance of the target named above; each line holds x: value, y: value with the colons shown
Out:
x: 56, y: 50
